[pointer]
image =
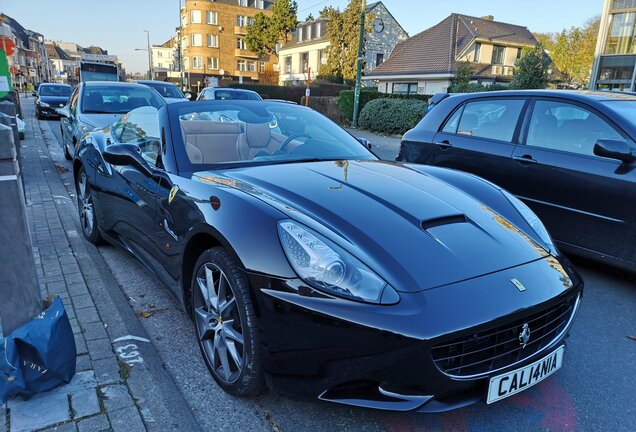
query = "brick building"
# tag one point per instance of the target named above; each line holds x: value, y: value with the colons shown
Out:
x: 212, y: 41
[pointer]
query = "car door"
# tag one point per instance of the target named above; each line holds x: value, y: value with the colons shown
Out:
x: 128, y: 197
x: 582, y: 198
x: 479, y: 137
x: 67, y: 122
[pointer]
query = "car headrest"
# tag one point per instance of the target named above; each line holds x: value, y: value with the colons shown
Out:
x: 257, y: 134
x: 210, y: 127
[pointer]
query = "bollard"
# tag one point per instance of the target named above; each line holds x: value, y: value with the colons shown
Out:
x: 20, y: 298
x: 8, y: 108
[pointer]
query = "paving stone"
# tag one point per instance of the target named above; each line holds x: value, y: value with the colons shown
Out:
x: 75, y: 325
x: 126, y: 420
x: 70, y: 268
x: 74, y: 278
x: 77, y: 289
x: 87, y: 315
x: 40, y: 412
x: 99, y: 348
x: 94, y: 330
x: 81, y: 381
x: 66, y: 427
x: 116, y: 397
x: 80, y: 344
x: 84, y: 403
x: 56, y: 287
x: 82, y: 301
x: 106, y: 370
x: 82, y: 363
x: 94, y: 424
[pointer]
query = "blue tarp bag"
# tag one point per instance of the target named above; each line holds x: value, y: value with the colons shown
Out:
x: 38, y: 356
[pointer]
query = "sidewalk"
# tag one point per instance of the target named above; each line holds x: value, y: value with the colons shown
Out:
x: 120, y: 384
x: 385, y: 146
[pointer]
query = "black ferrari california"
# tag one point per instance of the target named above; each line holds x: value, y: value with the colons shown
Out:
x: 312, y: 266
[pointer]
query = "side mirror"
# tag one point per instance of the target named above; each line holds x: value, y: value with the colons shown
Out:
x: 126, y: 155
x: 614, y: 149
x: 188, y: 96
x: 64, y: 112
x: 365, y: 142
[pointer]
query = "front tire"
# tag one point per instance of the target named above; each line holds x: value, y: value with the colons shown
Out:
x: 85, y: 205
x: 225, y: 323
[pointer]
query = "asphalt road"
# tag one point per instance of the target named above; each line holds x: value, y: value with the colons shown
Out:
x: 594, y: 391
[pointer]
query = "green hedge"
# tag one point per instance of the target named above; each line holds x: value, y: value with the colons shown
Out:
x: 327, y: 106
x: 391, y: 116
x: 293, y: 94
x: 346, y: 97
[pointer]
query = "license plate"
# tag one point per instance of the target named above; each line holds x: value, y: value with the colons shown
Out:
x: 511, y: 383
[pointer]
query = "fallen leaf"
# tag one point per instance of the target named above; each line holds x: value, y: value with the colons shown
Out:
x: 144, y: 314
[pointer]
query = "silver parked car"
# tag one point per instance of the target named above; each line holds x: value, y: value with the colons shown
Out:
x: 97, y: 104
x: 167, y: 90
x: 210, y: 93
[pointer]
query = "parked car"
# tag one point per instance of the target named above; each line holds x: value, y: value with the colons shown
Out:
x: 50, y: 97
x: 167, y: 90
x: 95, y: 104
x: 304, y: 258
x: 568, y: 155
x: 210, y: 93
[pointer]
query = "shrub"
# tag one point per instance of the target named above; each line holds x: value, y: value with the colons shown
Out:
x: 346, y: 99
x: 327, y: 106
x: 391, y: 116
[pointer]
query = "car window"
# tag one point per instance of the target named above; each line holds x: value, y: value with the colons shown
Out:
x: 233, y: 94
x: 105, y: 99
x: 567, y: 127
x: 141, y: 127
x: 74, y: 98
x: 453, y: 122
x: 55, y: 90
x: 493, y: 119
x: 166, y: 90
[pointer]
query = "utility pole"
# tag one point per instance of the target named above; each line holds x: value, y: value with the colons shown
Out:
x: 356, y: 100
x: 150, y: 74
x: 308, y: 90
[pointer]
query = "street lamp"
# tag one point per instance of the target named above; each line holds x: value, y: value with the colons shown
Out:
x: 150, y: 73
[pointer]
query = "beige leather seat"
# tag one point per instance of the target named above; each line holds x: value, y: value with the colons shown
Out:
x: 256, y: 139
x: 210, y: 142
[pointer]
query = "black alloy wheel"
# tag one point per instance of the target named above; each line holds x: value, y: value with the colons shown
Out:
x: 86, y: 208
x: 225, y: 323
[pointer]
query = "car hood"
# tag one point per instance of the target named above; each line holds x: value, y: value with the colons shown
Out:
x: 414, y: 230
x: 54, y: 101
x: 99, y: 121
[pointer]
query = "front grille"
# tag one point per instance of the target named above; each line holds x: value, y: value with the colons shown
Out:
x: 498, y: 347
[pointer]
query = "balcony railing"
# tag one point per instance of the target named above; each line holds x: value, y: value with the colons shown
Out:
x: 240, y: 30
x: 244, y: 53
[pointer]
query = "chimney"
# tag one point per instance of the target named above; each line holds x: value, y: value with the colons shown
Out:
x: 488, y: 18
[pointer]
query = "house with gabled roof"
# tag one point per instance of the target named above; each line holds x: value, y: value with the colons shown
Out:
x: 426, y: 62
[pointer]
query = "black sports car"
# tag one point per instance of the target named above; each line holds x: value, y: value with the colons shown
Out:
x: 309, y: 264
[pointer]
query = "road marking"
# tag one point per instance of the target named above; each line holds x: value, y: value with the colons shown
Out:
x: 8, y: 178
x: 131, y: 337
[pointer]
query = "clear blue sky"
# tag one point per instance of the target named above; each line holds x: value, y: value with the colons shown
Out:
x: 117, y: 25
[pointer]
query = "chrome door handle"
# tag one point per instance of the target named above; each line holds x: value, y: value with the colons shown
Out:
x: 445, y: 144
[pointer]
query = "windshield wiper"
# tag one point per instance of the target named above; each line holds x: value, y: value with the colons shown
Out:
x: 101, y: 112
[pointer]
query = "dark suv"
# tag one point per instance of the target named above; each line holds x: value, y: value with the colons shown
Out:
x: 569, y: 155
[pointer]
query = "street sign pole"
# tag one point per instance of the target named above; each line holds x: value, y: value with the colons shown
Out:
x: 356, y: 100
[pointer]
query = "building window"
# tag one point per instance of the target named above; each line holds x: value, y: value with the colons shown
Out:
x: 322, y: 57
x: 213, y: 63
x: 197, y: 40
x: 186, y: 63
x: 184, y: 19
x: 240, y: 65
x: 241, y: 21
x: 197, y: 62
x: 318, y: 30
x: 211, y: 18
x: 299, y: 32
x: 240, y: 43
x: 477, y: 52
x: 405, y: 88
x: 379, y: 59
x: 195, y: 17
x: 184, y: 42
x: 259, y: 4
x: 213, y: 41
x: 498, y: 53
x: 308, y: 32
x: 288, y: 64
x: 304, y: 62
x: 519, y: 53
x: 624, y: 4
x: 620, y: 34
x: 242, y: 3
x: 251, y: 66
x: 616, y: 69
x: 261, y: 67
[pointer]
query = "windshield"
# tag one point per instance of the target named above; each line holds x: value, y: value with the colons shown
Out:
x: 238, y: 133
x: 55, y: 90
x: 236, y: 95
x: 166, y: 90
x: 118, y: 99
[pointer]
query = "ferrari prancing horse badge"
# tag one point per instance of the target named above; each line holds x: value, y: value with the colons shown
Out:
x: 173, y: 193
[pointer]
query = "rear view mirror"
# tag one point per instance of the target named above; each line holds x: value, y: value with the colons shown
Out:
x: 365, y: 142
x: 64, y: 112
x: 614, y: 149
x: 188, y: 96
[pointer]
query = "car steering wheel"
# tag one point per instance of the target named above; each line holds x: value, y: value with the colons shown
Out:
x: 283, y: 146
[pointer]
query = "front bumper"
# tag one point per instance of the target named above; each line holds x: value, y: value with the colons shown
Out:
x: 49, y: 111
x: 381, y: 356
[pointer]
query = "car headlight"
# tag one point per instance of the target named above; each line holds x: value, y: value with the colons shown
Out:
x: 532, y: 219
x: 44, y: 104
x: 326, y: 266
x: 85, y: 127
